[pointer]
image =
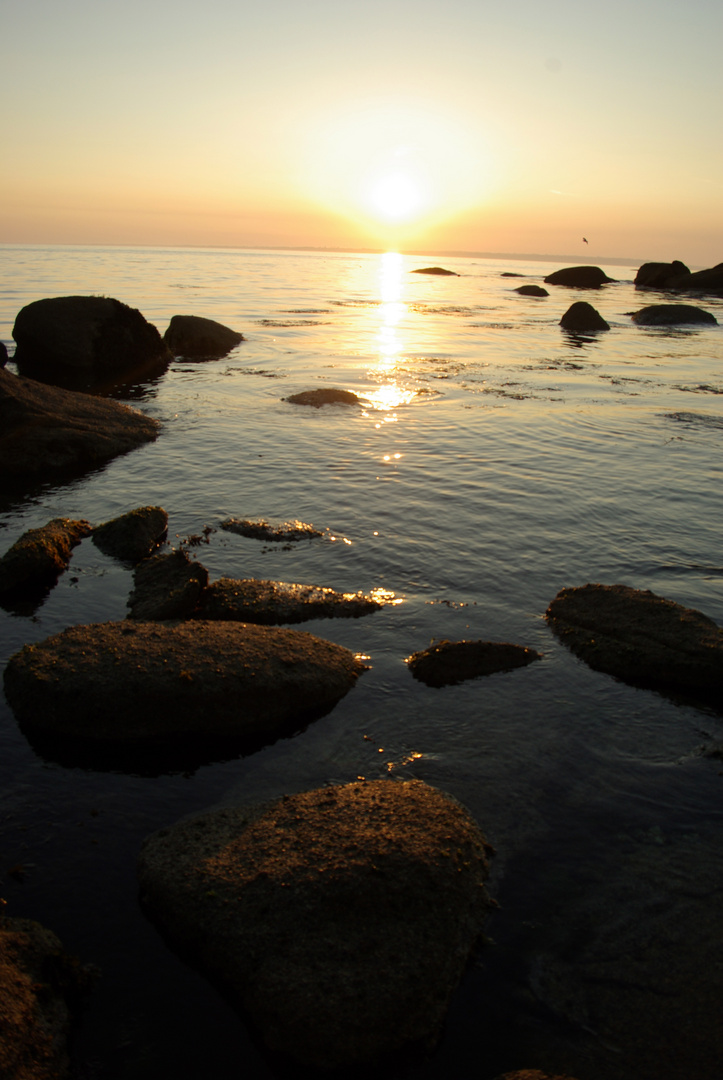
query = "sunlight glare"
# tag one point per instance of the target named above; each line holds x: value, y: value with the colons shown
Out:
x: 396, y: 197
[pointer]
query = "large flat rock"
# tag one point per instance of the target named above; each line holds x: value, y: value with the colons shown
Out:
x: 46, y: 432
x: 340, y: 920
x: 642, y: 638
x: 135, y: 682
x: 39, y: 556
x: 275, y: 602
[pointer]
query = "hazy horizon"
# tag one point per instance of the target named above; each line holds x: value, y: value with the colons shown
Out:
x: 425, y: 126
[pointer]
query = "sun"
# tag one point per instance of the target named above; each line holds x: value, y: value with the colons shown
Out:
x: 396, y: 197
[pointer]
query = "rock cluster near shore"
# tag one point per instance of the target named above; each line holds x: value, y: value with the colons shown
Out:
x: 340, y: 920
x: 40, y: 555
x: 676, y: 277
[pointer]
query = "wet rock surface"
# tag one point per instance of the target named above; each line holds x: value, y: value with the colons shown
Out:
x: 672, y: 315
x: 324, y: 396
x: 36, y: 978
x: 641, y: 638
x: 448, y: 662
x: 49, y: 432
x: 166, y: 587
x: 261, y: 529
x: 274, y: 602
x: 340, y: 920
x: 144, y: 682
x: 40, y: 556
x: 88, y: 336
x: 579, y: 277
x: 132, y: 536
x: 198, y: 338
x: 583, y: 317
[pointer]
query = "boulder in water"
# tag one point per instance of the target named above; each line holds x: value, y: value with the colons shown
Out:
x: 272, y: 603
x: 198, y: 338
x: 449, y: 662
x: 132, y: 536
x: 340, y: 920
x: 324, y: 396
x: 40, y: 556
x: 579, y: 277
x: 673, y: 315
x: 583, y: 317
x: 166, y: 587
x: 531, y: 290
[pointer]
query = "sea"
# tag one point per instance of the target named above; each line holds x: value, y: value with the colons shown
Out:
x: 493, y: 460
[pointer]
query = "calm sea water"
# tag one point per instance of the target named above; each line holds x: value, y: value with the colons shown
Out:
x: 495, y: 460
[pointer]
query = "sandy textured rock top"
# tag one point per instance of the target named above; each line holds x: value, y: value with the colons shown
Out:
x: 340, y: 918
x: 276, y: 602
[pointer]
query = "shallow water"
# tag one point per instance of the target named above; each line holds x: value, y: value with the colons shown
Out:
x: 494, y: 460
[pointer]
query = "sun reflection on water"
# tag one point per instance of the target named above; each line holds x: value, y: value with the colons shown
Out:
x: 389, y: 344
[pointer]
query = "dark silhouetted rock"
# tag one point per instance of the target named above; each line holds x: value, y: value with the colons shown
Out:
x: 132, y: 682
x: 533, y: 1074
x: 324, y: 396
x: 132, y: 536
x: 39, y: 984
x: 672, y: 315
x: 3, y: 354
x: 655, y: 275
x: 261, y: 529
x: 40, y: 555
x: 579, y: 277
x: 46, y: 432
x: 438, y: 270
x: 339, y: 919
x: 94, y: 337
x: 704, y: 281
x: 450, y: 662
x: 198, y: 338
x: 532, y: 290
x: 272, y: 603
x: 641, y: 638
x: 166, y: 587
x: 582, y: 317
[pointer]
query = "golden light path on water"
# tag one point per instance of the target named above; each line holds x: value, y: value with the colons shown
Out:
x: 389, y: 342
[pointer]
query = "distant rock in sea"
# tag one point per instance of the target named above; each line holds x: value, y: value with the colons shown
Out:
x: 531, y: 290
x: 673, y: 315
x: 579, y: 277
x: 324, y: 396
x: 439, y: 270
x: 200, y: 339
x: 582, y: 317
x: 676, y: 277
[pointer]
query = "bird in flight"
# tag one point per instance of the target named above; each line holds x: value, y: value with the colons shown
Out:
x: 584, y: 240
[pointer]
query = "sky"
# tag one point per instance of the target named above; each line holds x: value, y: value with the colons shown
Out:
x: 419, y: 125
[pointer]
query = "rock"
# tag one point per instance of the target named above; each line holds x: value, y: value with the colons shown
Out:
x: 274, y: 602
x: 261, y: 529
x: 324, y: 396
x: 531, y: 290
x: 532, y: 1074
x: 439, y: 270
x: 579, y: 277
x: 146, y: 683
x: 166, y: 587
x: 197, y: 338
x: 583, y: 317
x: 641, y: 638
x: 672, y: 315
x: 46, y: 432
x: 40, y: 556
x: 655, y: 275
x: 86, y: 338
x: 3, y: 354
x: 132, y: 536
x: 339, y: 919
x: 39, y: 983
x: 450, y: 662
x: 704, y: 281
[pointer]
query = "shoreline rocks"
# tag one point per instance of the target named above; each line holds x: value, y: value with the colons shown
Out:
x: 271, y: 603
x: 448, y: 662
x: 579, y: 277
x: 198, y: 338
x: 49, y: 432
x: 641, y: 638
x: 676, y: 277
x: 340, y: 920
x: 166, y: 587
x: 132, y: 536
x: 39, y: 556
x: 261, y: 529
x: 145, y: 683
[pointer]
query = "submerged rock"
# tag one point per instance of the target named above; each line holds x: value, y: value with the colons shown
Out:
x: 582, y: 317
x: 324, y: 396
x: 672, y: 315
x: 92, y: 336
x: 641, y: 638
x: 132, y: 536
x: 261, y: 529
x: 40, y: 555
x: 38, y: 982
x: 166, y: 587
x: 450, y: 662
x: 579, y: 277
x: 339, y: 919
x: 531, y: 290
x: 199, y: 338
x: 47, y: 432
x: 274, y: 602
x: 128, y: 682
x: 439, y: 270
